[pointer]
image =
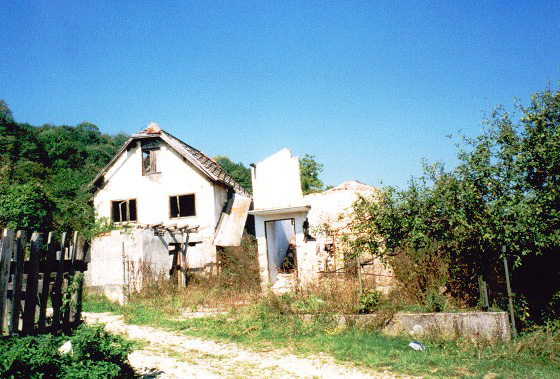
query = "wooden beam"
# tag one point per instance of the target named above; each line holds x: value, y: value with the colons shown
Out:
x: 6, y: 251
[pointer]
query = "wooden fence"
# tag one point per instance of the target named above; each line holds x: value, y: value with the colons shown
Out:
x: 40, y: 282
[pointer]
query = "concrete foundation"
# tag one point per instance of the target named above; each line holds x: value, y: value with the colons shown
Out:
x: 480, y: 326
x: 472, y: 325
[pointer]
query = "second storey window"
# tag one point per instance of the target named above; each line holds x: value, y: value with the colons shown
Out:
x: 123, y: 210
x: 149, y: 161
x: 182, y: 206
x: 150, y: 153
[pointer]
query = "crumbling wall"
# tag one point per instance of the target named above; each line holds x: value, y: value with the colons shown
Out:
x: 120, y: 260
x: 330, y: 217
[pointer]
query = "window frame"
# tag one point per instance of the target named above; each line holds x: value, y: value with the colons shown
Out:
x: 171, y: 216
x: 153, y: 156
x: 120, y: 203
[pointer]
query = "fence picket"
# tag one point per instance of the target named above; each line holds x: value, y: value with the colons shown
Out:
x: 25, y: 285
x: 57, y: 288
x: 77, y: 297
x: 32, y: 284
x: 6, y: 251
x: 68, y: 296
x: 44, y: 293
x: 19, y: 258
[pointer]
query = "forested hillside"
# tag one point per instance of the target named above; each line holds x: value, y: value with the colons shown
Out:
x: 45, y: 171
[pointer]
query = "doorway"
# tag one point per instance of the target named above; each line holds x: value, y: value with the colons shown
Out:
x: 281, y: 247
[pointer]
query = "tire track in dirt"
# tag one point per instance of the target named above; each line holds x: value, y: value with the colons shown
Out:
x: 170, y: 355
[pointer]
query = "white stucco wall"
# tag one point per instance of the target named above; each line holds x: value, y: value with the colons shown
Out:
x: 176, y: 176
x: 305, y: 251
x: 276, y: 181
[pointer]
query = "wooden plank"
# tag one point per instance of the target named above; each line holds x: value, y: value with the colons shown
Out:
x: 57, y: 287
x: 69, y: 297
x: 31, y: 284
x: 17, y: 281
x: 45, y: 289
x: 6, y: 251
x: 81, y: 246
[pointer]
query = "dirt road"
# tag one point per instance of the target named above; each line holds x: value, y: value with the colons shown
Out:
x: 169, y: 355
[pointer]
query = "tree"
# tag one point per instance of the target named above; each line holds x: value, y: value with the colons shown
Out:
x: 237, y: 171
x: 44, y: 172
x: 309, y: 172
x: 504, y: 194
x: 5, y: 112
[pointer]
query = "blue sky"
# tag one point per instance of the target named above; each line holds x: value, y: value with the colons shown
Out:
x: 370, y: 88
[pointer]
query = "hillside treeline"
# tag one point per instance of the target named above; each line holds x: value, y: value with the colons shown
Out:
x: 450, y: 229
x: 45, y: 171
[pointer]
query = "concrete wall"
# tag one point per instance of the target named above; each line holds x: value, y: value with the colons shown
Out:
x: 176, y: 176
x: 304, y: 250
x: 276, y: 181
x: 479, y: 326
x: 333, y: 210
x: 119, y: 260
x: 475, y: 325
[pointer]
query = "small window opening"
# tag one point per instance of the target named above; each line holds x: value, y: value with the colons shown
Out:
x: 182, y: 206
x: 124, y: 210
x: 149, y: 161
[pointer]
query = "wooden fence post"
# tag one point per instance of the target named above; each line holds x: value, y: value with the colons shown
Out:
x: 44, y: 292
x: 31, y: 284
x: 71, y: 275
x: 57, y: 288
x: 21, y: 243
x: 6, y: 250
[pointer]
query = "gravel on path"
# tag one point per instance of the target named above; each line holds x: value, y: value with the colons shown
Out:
x: 171, y: 355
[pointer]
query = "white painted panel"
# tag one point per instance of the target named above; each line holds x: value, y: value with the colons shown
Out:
x: 230, y: 229
x: 276, y: 181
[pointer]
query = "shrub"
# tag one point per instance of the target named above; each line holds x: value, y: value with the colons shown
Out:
x: 435, y: 302
x: 369, y: 301
x: 95, y: 354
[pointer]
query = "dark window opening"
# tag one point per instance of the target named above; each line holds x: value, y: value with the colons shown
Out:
x: 182, y: 206
x: 123, y: 210
x: 149, y: 161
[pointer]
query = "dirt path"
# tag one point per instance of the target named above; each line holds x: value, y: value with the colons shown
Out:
x: 169, y: 355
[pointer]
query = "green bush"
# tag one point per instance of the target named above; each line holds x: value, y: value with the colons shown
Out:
x: 95, y: 354
x: 369, y: 301
x: 435, y: 302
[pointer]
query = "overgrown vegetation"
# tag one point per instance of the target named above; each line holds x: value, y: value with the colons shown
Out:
x: 273, y: 321
x: 44, y: 173
x: 309, y: 170
x: 503, y: 200
x: 95, y: 354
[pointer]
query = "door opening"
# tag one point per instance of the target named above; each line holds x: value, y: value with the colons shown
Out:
x: 281, y: 247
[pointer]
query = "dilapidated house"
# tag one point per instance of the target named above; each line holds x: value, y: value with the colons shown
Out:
x: 300, y: 238
x: 177, y: 204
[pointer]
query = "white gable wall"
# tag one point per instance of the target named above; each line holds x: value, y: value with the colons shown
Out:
x: 116, y: 258
x: 176, y: 177
x: 276, y: 181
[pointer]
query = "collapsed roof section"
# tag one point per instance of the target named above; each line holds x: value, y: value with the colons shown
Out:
x: 196, y: 157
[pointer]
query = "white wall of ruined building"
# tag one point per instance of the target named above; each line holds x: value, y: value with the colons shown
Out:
x: 305, y: 251
x: 124, y: 180
x: 176, y: 176
x: 276, y: 181
x: 333, y: 210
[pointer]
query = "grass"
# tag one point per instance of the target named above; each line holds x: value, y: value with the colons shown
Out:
x: 272, y: 322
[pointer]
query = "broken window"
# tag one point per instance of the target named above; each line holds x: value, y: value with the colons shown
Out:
x: 124, y: 210
x: 182, y: 206
x: 149, y: 161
